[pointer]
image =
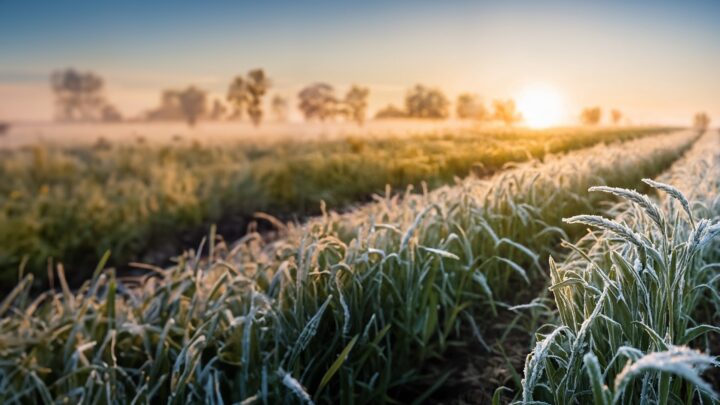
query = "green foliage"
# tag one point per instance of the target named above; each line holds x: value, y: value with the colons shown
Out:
x: 345, y: 309
x: 73, y: 204
x: 631, y: 296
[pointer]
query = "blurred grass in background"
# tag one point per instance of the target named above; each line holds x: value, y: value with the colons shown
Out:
x: 139, y: 201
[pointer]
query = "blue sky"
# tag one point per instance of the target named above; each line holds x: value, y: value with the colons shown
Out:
x: 656, y: 60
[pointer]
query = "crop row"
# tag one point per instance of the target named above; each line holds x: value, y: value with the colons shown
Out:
x: 345, y: 308
x: 145, y: 201
x: 635, y: 296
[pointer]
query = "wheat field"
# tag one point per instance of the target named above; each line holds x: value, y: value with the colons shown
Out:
x: 361, y: 306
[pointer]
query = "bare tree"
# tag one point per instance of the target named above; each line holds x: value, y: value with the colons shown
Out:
x: 591, y: 115
x: 424, y: 102
x: 78, y: 95
x: 318, y: 101
x: 390, y: 111
x: 701, y: 121
x: 506, y: 111
x: 469, y: 106
x: 280, y: 107
x: 355, y: 103
x: 616, y: 115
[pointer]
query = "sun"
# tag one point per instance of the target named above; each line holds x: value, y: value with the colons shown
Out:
x: 541, y: 106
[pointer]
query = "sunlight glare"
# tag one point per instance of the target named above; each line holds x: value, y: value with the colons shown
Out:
x: 541, y: 106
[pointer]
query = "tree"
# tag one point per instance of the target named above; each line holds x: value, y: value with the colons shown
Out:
x: 192, y: 102
x: 355, y: 103
x: 591, y: 115
x: 188, y: 104
x: 506, y: 111
x: 238, y: 96
x: 390, y: 111
x: 423, y: 102
x: 701, y: 121
x: 78, y: 95
x: 246, y: 94
x: 468, y: 106
x: 616, y: 115
x: 218, y: 110
x: 280, y: 107
x: 109, y: 113
x: 169, y: 109
x: 318, y: 101
x: 257, y: 84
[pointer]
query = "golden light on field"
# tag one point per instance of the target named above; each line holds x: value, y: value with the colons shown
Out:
x: 541, y: 106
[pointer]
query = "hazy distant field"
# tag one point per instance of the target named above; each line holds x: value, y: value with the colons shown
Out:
x: 74, y: 197
x: 159, y: 132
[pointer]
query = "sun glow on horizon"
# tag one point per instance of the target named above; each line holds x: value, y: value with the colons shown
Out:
x: 541, y: 106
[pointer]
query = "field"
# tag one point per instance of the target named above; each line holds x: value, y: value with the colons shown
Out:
x: 522, y: 266
x: 145, y: 201
x: 359, y: 203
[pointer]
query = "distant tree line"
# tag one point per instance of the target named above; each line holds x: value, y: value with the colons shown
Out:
x: 424, y: 102
x: 593, y: 116
x: 319, y: 102
x: 79, y: 96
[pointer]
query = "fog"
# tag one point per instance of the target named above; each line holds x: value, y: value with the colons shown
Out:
x: 71, y: 134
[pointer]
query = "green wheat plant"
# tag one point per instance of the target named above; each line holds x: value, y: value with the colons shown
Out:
x: 628, y: 298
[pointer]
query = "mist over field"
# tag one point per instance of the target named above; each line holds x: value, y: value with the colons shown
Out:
x: 213, y: 133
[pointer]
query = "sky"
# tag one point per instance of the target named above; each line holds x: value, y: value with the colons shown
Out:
x: 657, y: 61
